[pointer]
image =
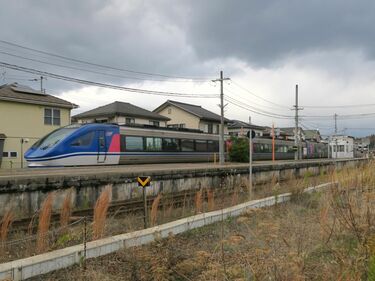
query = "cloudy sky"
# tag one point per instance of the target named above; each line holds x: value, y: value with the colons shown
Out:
x: 265, y: 47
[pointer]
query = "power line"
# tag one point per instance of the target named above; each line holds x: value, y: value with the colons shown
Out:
x: 246, y: 107
x: 102, y: 85
x: 252, y: 102
x: 87, y: 70
x: 257, y: 109
x: 259, y: 97
x: 339, y: 106
x: 99, y: 65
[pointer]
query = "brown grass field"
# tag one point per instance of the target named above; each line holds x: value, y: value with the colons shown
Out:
x: 326, y: 235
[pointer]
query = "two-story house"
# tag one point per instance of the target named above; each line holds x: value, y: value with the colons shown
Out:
x: 185, y: 115
x: 26, y: 115
x: 121, y: 113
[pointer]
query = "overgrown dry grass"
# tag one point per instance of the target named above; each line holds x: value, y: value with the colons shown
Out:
x: 325, y: 235
x: 66, y: 209
x: 100, y: 212
x: 45, y: 213
x: 210, y: 199
x: 6, y: 222
x: 154, y: 210
x: 199, y: 201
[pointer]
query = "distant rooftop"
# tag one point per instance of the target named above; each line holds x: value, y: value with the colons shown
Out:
x: 118, y: 108
x: 237, y: 124
x: 196, y: 110
x: 20, y: 93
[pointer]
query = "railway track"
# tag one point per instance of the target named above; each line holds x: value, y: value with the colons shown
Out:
x: 132, y: 206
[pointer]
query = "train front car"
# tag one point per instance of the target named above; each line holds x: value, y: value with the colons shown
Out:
x: 77, y: 145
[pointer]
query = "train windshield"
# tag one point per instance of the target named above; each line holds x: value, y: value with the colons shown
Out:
x: 54, y: 137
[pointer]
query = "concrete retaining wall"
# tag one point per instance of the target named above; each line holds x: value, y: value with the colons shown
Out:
x: 26, y: 196
x: 41, y: 264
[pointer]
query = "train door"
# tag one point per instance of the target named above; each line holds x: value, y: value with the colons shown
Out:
x: 102, y: 147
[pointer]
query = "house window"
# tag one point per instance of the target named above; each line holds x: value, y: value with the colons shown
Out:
x: 11, y: 154
x: 129, y: 120
x: 210, y: 128
x: 101, y: 120
x: 52, y: 116
x: 155, y: 123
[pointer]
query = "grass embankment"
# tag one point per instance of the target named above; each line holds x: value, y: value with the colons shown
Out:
x: 326, y: 235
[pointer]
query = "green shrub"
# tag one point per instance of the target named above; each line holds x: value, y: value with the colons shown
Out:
x: 240, y: 150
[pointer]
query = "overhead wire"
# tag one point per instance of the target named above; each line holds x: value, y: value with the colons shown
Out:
x: 259, y: 97
x: 251, y: 109
x: 257, y: 109
x: 102, y: 85
x: 101, y: 65
x: 90, y: 71
x: 251, y: 101
x: 339, y: 106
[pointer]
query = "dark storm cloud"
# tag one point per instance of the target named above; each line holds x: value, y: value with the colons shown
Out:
x: 188, y: 38
x: 262, y: 32
x: 179, y: 37
x: 125, y: 34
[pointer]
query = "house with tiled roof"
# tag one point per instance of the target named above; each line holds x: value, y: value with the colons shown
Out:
x: 240, y: 128
x: 191, y: 116
x: 26, y: 115
x: 122, y: 113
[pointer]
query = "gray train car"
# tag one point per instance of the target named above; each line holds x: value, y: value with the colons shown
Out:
x: 158, y: 145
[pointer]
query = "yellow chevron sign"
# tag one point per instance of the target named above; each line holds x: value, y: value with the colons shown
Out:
x: 144, y: 181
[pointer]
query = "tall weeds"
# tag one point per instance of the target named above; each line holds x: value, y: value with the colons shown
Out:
x: 210, y: 200
x: 154, y: 209
x: 44, y: 223
x: 100, y: 212
x: 234, y: 199
x: 66, y: 209
x: 198, y: 201
x: 6, y: 222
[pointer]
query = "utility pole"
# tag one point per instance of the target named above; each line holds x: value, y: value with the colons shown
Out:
x: 273, y: 142
x: 221, y: 140
x: 335, y: 117
x: 250, y: 162
x: 296, y: 129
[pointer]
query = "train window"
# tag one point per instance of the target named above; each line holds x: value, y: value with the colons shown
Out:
x: 84, y: 140
x: 153, y: 144
x: 134, y: 143
x: 187, y: 145
x: 170, y: 145
x: 201, y: 145
x: 213, y: 146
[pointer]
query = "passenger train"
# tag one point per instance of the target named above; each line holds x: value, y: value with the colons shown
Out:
x: 112, y: 144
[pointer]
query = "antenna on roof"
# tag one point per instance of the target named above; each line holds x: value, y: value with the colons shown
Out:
x: 42, y: 90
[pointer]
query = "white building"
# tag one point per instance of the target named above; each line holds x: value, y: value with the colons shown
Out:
x: 341, y: 147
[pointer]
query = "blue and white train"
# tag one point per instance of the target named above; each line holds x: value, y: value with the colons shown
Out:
x: 109, y: 144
